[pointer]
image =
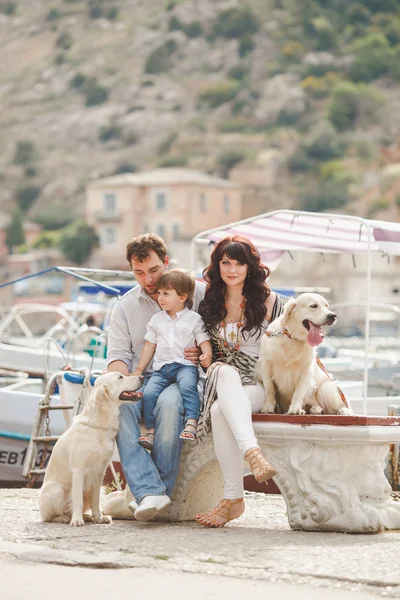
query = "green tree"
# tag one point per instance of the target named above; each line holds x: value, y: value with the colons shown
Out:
x: 26, y: 196
x: 77, y: 241
x: 15, y: 231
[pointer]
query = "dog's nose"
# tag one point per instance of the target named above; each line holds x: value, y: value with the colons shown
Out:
x: 331, y: 318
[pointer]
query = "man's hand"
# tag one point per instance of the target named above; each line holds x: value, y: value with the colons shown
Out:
x: 193, y: 354
x: 205, y: 360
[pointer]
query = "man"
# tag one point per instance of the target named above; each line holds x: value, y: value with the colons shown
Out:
x: 151, y: 478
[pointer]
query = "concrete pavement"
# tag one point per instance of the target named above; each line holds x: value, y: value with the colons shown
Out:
x: 259, y: 549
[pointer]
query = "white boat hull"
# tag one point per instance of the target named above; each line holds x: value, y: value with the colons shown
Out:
x: 32, y: 360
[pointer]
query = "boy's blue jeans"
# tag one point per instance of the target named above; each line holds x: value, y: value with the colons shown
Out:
x: 155, y: 474
x: 186, y: 376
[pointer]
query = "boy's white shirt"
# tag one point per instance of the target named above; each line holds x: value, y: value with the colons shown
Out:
x: 129, y: 318
x: 172, y: 336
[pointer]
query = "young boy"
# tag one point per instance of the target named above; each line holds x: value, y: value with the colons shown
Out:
x: 169, y: 332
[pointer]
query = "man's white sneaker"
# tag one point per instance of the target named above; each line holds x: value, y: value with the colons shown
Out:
x: 133, y: 505
x: 151, y: 506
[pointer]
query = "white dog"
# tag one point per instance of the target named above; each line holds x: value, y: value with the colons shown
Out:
x: 287, y: 365
x: 80, y: 457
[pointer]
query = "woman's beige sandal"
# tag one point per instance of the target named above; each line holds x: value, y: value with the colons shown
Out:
x: 190, y: 431
x: 225, y: 511
x: 259, y: 465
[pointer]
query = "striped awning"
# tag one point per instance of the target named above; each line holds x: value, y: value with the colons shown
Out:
x: 283, y: 231
x: 280, y: 231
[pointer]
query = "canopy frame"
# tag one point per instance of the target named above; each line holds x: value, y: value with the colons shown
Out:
x: 203, y: 238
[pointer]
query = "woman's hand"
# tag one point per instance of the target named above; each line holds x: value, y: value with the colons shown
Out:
x: 205, y: 360
x: 193, y: 354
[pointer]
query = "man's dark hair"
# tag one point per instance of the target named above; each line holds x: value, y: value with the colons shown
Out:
x: 140, y: 247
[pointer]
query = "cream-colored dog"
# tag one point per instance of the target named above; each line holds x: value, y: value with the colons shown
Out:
x: 287, y: 365
x: 80, y: 457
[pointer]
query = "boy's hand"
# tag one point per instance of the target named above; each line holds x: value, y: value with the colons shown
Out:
x: 137, y: 373
x: 205, y: 360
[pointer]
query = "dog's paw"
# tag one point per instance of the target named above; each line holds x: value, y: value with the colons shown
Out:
x: 103, y: 520
x: 77, y: 522
x: 88, y: 518
x: 269, y: 407
x: 316, y: 410
x: 345, y: 411
x: 296, y: 411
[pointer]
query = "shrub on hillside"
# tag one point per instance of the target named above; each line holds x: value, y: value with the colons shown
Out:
x: 125, y: 167
x: 246, y: 45
x: 110, y: 132
x: 325, y: 37
x: 350, y: 103
x: 53, y: 14
x: 323, y: 142
x: 300, y: 162
x: 79, y: 81
x: 30, y: 171
x: 26, y: 196
x: 173, y: 160
x: 24, y: 152
x: 215, y: 94
x: 64, y: 40
x: 8, y: 8
x: 227, y: 159
x: 235, y: 22
x: 96, y: 93
x: 325, y: 196
x: 158, y: 60
x: 356, y: 13
x: 371, y: 57
x: 52, y: 218
x: 343, y: 105
x: 238, y: 72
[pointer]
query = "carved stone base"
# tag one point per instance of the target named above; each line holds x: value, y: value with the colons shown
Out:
x: 198, y: 487
x: 331, y: 476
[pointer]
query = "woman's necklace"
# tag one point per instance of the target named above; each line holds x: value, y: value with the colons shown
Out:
x: 234, y: 336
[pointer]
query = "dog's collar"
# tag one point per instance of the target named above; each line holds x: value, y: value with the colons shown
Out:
x: 282, y: 331
x: 111, y: 429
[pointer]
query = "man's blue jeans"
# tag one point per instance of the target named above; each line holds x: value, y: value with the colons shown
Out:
x: 155, y: 474
x: 186, y: 376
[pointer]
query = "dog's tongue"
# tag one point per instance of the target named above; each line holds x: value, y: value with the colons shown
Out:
x: 315, y: 336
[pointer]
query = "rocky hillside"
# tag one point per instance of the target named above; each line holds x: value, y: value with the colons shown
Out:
x: 300, y: 100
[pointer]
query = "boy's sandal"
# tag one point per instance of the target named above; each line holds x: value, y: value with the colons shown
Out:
x: 147, y: 441
x: 190, y: 431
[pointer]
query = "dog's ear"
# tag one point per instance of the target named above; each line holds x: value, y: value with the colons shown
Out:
x: 102, y: 397
x: 289, y: 308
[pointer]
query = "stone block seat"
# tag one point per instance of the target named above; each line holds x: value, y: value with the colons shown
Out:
x: 330, y: 471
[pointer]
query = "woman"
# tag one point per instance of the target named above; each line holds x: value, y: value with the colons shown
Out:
x: 237, y: 308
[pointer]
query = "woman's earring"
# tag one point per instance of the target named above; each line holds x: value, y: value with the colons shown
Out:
x: 248, y: 274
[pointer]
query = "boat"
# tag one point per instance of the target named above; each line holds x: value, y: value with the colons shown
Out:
x: 41, y: 338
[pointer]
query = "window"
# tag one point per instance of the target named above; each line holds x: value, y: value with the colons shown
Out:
x: 203, y: 202
x: 226, y: 205
x: 109, y: 236
x: 110, y: 203
x: 161, y: 200
x: 176, y: 231
x: 161, y: 231
x: 146, y: 228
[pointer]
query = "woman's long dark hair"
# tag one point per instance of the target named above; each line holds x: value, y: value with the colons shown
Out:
x: 255, y: 290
